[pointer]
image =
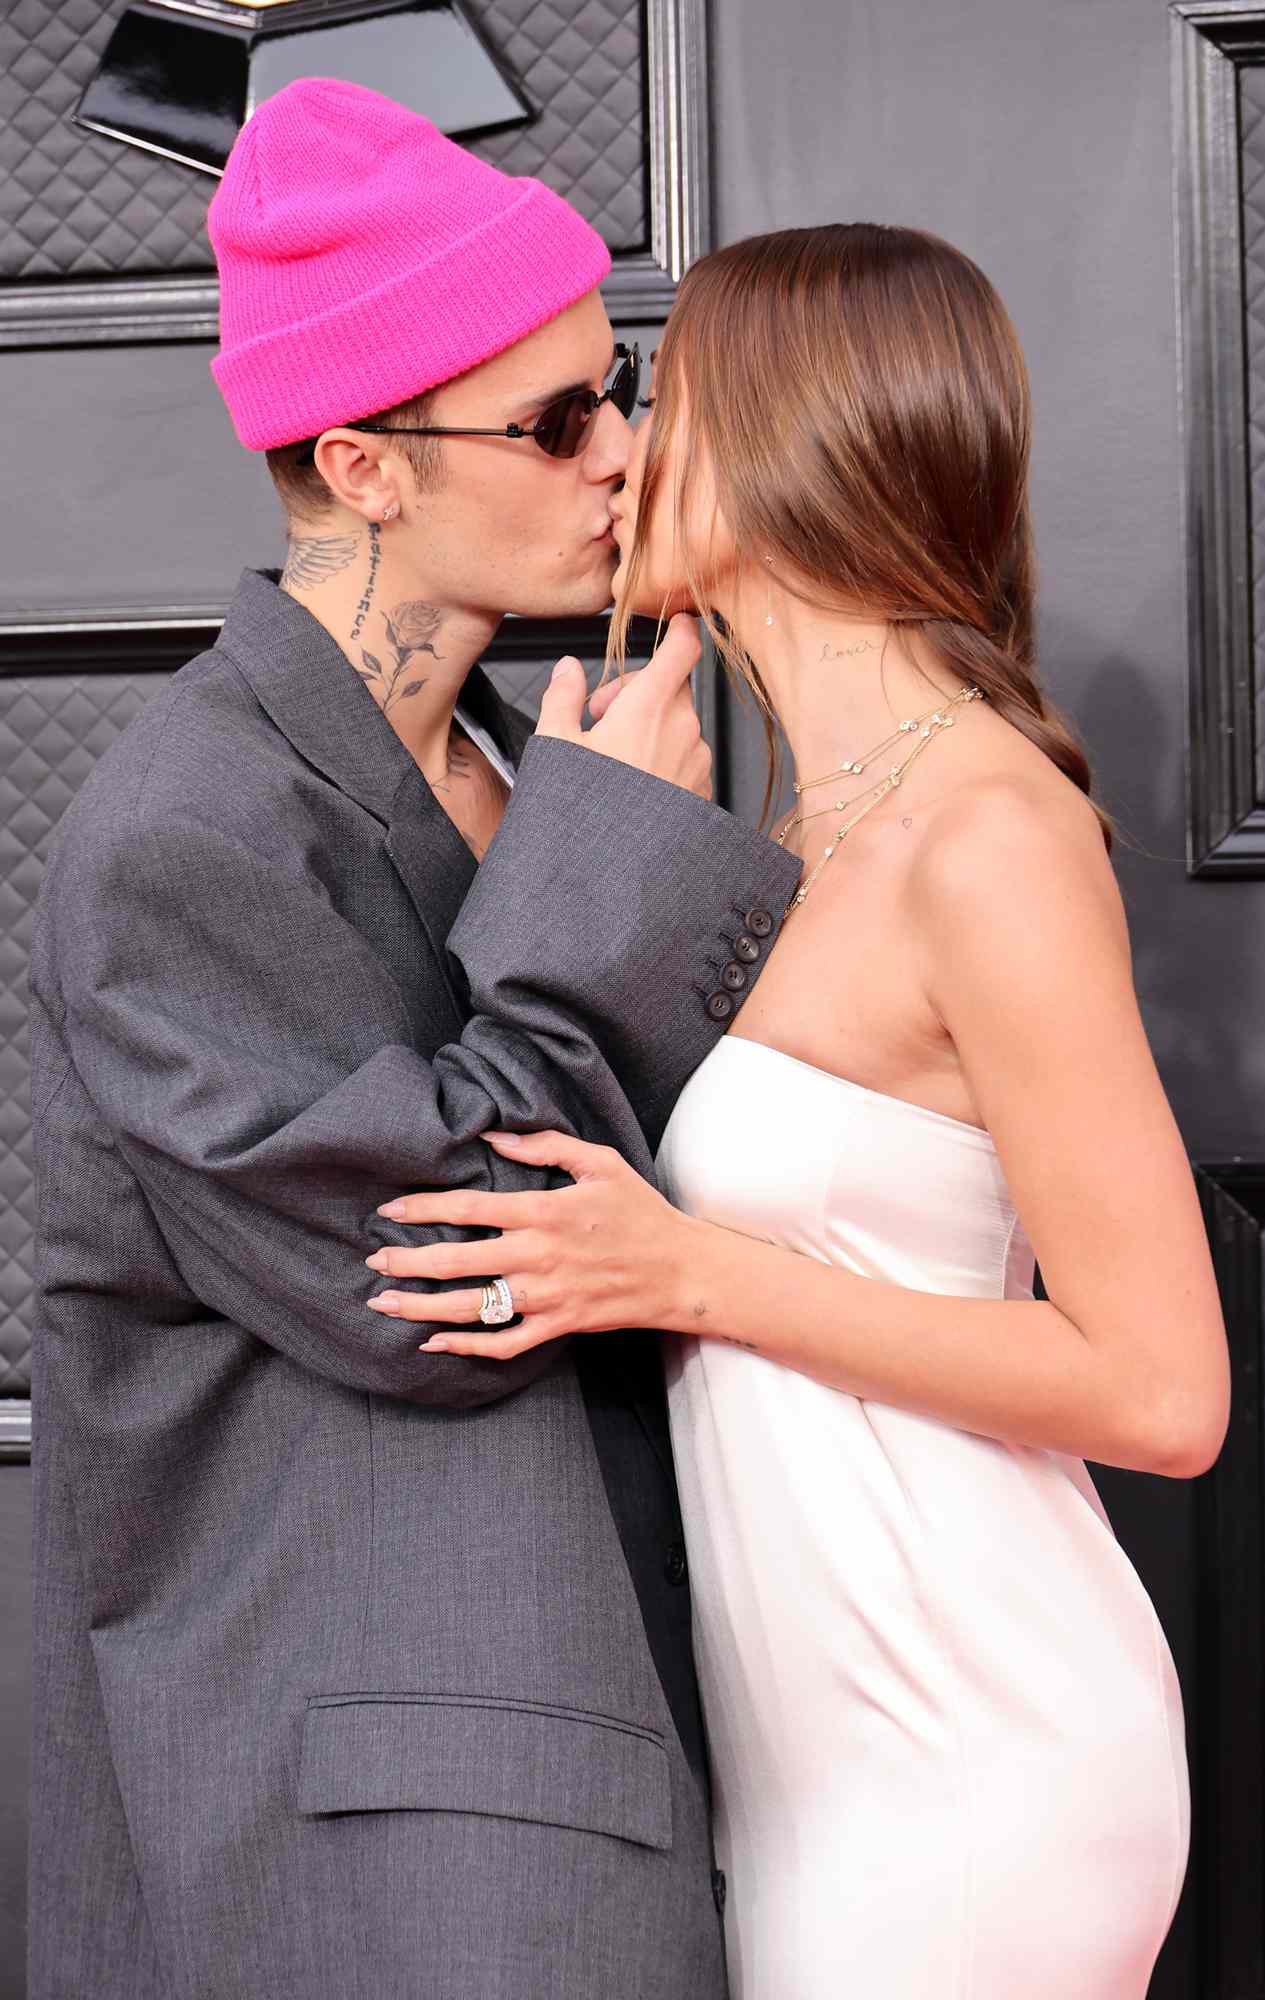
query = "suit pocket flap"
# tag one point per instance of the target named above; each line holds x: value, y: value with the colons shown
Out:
x: 444, y: 1753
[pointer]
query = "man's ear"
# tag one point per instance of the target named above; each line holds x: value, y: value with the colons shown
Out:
x: 359, y: 474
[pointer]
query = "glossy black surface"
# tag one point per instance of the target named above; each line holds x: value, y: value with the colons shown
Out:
x: 183, y: 86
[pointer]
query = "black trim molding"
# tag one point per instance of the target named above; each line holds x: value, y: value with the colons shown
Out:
x: 1228, y: 1773
x: 15, y: 1430
x: 1213, y: 41
x: 165, y: 638
x: 638, y: 292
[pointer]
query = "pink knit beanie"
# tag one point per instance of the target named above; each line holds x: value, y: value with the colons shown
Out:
x: 364, y: 258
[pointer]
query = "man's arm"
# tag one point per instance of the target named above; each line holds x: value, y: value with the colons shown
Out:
x: 254, y: 1057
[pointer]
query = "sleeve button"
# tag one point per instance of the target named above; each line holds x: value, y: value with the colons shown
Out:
x: 734, y: 977
x: 720, y: 1006
x: 759, y: 923
x: 746, y: 948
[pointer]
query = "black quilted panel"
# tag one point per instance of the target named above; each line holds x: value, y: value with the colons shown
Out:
x: 74, y: 204
x: 52, y: 730
x: 51, y: 733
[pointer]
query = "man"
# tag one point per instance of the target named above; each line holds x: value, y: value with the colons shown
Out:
x: 362, y: 1671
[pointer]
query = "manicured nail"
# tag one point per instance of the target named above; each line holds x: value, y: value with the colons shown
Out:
x: 386, y: 1302
x: 395, y: 1209
x: 503, y: 1138
x: 378, y: 1261
x: 434, y: 1347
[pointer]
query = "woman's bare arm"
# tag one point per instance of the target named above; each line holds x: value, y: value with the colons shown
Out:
x: 1028, y: 965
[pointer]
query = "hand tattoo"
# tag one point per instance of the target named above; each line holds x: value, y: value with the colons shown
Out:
x: 313, y: 559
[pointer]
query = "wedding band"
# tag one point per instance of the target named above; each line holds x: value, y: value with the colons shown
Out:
x: 498, y: 1303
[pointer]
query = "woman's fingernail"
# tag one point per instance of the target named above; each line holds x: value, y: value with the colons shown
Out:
x: 395, y: 1209
x: 503, y: 1138
x: 378, y: 1261
x: 386, y: 1302
x: 434, y: 1347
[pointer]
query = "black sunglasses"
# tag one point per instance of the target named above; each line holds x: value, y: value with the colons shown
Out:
x: 561, y: 429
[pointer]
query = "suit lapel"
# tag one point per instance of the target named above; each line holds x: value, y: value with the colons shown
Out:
x: 305, y: 682
x: 433, y: 860
x: 436, y: 868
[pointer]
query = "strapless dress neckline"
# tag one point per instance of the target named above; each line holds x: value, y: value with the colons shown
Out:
x: 866, y: 1090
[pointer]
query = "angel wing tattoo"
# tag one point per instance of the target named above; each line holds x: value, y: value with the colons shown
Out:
x: 313, y: 559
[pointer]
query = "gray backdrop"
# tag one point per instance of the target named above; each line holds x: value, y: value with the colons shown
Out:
x: 1035, y: 137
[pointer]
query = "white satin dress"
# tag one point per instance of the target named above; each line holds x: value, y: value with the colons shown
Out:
x: 945, y: 1727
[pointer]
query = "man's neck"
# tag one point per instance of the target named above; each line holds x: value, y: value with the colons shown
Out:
x: 411, y: 650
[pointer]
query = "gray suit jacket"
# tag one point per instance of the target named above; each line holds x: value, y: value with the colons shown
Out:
x: 359, y: 1671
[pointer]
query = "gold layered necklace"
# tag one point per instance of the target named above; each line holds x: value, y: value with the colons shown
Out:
x: 922, y: 728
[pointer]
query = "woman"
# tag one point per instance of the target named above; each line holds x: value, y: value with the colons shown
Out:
x: 945, y: 1726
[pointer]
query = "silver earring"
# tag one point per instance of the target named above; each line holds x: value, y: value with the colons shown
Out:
x: 389, y: 513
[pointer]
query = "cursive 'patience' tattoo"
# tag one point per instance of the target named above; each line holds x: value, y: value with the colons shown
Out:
x: 375, y: 557
x: 829, y: 652
x: 410, y: 629
x: 313, y: 559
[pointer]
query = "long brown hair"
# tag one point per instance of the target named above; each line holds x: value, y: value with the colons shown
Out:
x: 860, y: 397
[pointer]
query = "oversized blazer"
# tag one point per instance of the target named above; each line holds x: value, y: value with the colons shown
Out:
x: 359, y: 1672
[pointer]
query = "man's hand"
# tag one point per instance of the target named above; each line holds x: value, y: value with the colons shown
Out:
x: 653, y: 725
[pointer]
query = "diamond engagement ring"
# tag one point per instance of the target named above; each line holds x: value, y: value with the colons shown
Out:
x: 498, y: 1303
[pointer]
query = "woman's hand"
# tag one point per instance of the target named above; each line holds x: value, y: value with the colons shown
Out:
x: 607, y: 1252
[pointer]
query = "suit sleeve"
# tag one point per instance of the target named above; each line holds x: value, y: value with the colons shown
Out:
x: 253, y: 1057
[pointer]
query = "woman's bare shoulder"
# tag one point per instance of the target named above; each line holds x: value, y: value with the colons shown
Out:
x: 1016, y: 831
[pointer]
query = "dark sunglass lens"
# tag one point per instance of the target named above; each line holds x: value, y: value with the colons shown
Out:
x: 625, y: 384
x: 560, y: 428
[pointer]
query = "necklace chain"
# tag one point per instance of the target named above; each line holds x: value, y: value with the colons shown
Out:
x: 926, y: 726
x: 847, y: 770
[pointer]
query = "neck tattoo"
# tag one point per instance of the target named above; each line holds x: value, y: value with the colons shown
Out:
x: 829, y: 652
x: 410, y: 628
x: 375, y: 556
x: 313, y: 559
x: 460, y: 765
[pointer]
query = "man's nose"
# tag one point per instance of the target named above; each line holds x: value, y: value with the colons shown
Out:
x: 609, y: 446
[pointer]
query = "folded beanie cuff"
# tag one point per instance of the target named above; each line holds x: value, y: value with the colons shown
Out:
x: 419, y: 329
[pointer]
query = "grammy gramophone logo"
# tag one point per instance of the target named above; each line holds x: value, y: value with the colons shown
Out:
x: 181, y: 77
